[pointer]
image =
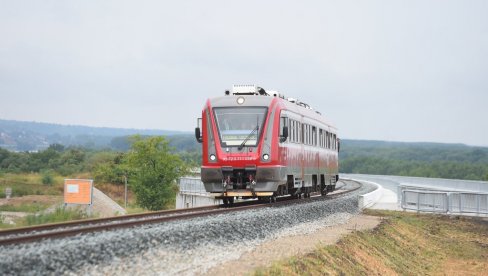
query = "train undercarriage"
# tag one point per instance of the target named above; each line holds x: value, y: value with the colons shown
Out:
x: 243, y: 184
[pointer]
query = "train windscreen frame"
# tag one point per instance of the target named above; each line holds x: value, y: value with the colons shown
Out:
x: 239, y: 126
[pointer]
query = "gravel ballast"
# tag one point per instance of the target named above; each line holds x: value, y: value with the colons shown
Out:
x: 179, y: 247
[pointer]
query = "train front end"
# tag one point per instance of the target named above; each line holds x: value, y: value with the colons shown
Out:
x: 239, y: 136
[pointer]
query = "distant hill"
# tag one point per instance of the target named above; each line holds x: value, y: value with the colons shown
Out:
x: 413, y: 151
x: 455, y: 161
x: 33, y: 136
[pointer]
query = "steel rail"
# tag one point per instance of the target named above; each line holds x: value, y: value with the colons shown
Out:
x: 31, y: 234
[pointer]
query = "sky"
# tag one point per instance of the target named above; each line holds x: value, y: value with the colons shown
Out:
x: 379, y: 70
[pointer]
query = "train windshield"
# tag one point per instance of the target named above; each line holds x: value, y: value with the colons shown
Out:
x: 240, y: 126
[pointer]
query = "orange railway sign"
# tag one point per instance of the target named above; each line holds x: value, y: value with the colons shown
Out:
x: 78, y: 191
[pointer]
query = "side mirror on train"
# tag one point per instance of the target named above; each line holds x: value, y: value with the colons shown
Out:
x: 338, y: 144
x: 285, y: 134
x: 198, y: 135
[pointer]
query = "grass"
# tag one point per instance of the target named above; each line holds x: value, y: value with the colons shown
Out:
x: 29, y: 184
x: 403, y: 244
x: 4, y: 225
x: 59, y: 215
x: 28, y: 207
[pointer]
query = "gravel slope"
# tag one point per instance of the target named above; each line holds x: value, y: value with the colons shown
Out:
x: 180, y: 247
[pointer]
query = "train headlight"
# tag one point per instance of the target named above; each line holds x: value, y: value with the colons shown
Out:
x: 265, y: 156
x: 240, y: 100
x: 212, y: 157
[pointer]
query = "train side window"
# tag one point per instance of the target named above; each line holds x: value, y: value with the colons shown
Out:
x: 333, y: 141
x: 296, y: 132
x: 328, y: 140
x: 320, y: 137
x: 300, y: 133
x: 331, y: 145
x: 292, y: 127
x: 309, y: 135
x: 324, y: 142
x: 292, y: 131
x: 283, y: 124
x: 309, y: 131
x: 331, y: 138
x: 323, y: 138
x: 314, y: 136
x: 297, y: 126
x: 305, y: 134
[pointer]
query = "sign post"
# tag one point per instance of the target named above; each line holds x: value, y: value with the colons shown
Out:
x: 78, y: 191
x: 8, y: 192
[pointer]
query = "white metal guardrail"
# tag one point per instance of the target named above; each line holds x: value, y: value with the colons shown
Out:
x: 469, y: 203
x: 424, y: 201
x: 439, y: 201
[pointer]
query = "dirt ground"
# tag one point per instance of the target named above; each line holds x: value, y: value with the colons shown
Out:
x: 10, y: 217
x: 287, y: 247
x: 44, y: 199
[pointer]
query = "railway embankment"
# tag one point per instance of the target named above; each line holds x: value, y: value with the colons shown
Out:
x: 189, y: 247
x: 404, y: 243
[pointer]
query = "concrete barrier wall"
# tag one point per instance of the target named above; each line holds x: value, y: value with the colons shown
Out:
x: 187, y: 200
x: 369, y: 199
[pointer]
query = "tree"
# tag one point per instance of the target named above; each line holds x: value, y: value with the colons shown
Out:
x: 107, y: 167
x: 153, y: 169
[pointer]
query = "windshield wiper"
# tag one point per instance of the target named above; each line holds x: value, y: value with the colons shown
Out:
x: 248, y: 137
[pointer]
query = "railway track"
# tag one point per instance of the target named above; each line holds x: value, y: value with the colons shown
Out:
x: 59, y: 230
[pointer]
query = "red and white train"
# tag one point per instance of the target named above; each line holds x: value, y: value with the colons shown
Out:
x: 259, y: 144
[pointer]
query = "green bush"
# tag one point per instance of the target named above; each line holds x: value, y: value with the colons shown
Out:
x: 47, y: 177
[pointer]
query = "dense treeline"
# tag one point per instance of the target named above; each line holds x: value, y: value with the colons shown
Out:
x: 69, y: 160
x: 436, y: 169
x: 65, y: 161
x: 454, y: 161
x: 369, y: 157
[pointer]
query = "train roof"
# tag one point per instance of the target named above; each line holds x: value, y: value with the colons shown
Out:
x: 251, y: 95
